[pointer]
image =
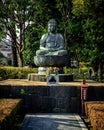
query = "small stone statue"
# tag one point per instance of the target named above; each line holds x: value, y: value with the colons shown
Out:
x: 51, y: 43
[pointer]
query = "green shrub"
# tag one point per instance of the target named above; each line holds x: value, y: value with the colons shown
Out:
x: 2, y: 74
x: 78, y: 74
x: 22, y: 72
x: 16, y: 72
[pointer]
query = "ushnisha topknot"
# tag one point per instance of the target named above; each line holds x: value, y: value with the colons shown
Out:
x: 52, y: 21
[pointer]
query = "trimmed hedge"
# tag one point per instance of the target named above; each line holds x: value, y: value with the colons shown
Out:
x: 2, y: 74
x: 78, y: 74
x: 15, y: 72
x: 95, y: 112
x: 22, y: 72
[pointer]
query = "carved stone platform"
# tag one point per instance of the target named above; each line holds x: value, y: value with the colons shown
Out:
x: 51, y: 61
x: 40, y: 77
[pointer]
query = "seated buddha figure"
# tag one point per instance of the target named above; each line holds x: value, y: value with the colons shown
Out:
x: 51, y: 43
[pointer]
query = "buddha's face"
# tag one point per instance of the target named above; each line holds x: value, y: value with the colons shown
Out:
x: 51, y: 27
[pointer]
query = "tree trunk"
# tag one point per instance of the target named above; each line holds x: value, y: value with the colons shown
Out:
x: 101, y: 70
x: 14, y: 56
x: 14, y: 49
x: 65, y: 38
x: 20, y: 56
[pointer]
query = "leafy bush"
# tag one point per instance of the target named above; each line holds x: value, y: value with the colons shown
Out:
x: 2, y: 74
x: 16, y: 72
x: 22, y: 73
x: 78, y: 73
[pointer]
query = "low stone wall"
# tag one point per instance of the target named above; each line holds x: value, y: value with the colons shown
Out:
x: 45, y: 98
x: 96, y: 93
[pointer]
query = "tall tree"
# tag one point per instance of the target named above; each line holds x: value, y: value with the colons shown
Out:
x: 65, y: 8
x: 17, y: 16
x: 94, y: 32
x: 45, y: 11
x: 92, y: 17
x: 8, y: 27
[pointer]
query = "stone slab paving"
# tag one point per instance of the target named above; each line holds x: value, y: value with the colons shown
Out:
x: 51, y: 121
x: 25, y: 82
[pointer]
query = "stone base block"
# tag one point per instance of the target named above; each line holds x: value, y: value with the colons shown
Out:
x: 38, y: 77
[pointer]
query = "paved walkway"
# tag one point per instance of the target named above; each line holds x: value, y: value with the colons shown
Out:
x: 25, y: 82
x: 53, y: 122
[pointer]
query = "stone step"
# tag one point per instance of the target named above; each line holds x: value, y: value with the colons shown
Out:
x: 53, y: 121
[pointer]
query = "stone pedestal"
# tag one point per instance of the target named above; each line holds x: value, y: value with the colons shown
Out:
x: 42, y: 70
x: 46, y: 61
x: 42, y: 77
x: 51, y: 61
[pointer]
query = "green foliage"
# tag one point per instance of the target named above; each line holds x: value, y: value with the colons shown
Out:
x: 78, y: 74
x: 90, y: 14
x: 78, y: 7
x: 32, y: 40
x: 1, y: 56
x: 16, y: 72
x: 80, y: 21
x: 93, y: 32
x: 2, y: 33
x: 2, y: 74
x: 75, y: 31
x: 17, y: 17
x: 22, y: 91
